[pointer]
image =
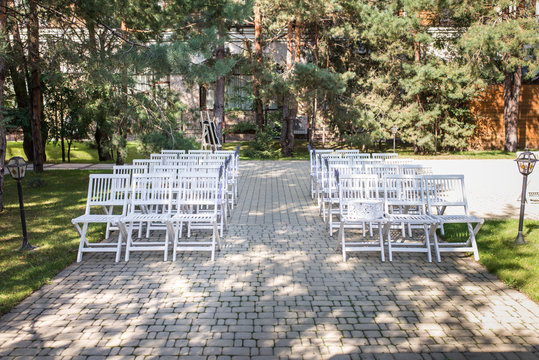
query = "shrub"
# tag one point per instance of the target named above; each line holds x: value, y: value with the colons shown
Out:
x: 243, y: 127
x: 262, y: 146
x: 154, y: 142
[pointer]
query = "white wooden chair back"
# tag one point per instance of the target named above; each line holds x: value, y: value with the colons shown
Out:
x: 149, y: 163
x: 151, y: 191
x: 129, y: 170
x: 199, y: 152
x: 346, y: 152
x: 176, y: 152
x: 399, y: 161
x: 445, y: 191
x: 363, y: 161
x: 404, y: 190
x: 163, y: 157
x: 356, y: 156
x: 199, y: 190
x: 385, y: 156
x: 382, y: 170
x: 106, y: 190
x: 359, y: 197
x: 409, y: 169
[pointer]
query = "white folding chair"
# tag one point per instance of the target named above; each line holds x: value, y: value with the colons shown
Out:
x: 385, y: 156
x: 149, y: 163
x: 124, y: 170
x: 446, y: 202
x: 321, y: 174
x: 329, y: 188
x: 357, y: 156
x: 399, y: 161
x: 359, y: 204
x: 150, y: 203
x: 405, y: 205
x: 199, y: 152
x: 164, y: 157
x: 175, y: 152
x: 197, y: 206
x: 411, y: 169
x: 346, y: 152
x: 105, y: 191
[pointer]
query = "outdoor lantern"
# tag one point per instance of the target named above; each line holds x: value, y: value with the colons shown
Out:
x: 17, y: 168
x: 526, y: 163
x: 394, y: 130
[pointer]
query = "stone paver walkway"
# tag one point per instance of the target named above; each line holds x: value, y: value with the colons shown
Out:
x: 278, y: 289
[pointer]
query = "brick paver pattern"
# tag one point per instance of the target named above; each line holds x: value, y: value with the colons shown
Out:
x: 278, y: 288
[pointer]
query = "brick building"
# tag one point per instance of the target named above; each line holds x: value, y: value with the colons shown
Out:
x: 490, y: 129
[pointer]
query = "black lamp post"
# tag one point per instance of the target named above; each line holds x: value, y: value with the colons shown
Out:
x: 526, y: 162
x: 394, y: 130
x: 17, y: 168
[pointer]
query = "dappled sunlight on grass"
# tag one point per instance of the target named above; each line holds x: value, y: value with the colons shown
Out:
x: 81, y: 152
x: 516, y: 265
x: 49, y: 210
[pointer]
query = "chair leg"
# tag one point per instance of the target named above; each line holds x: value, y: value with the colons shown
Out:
x: 330, y: 219
x: 217, y: 235
x: 343, y: 244
x: 175, y: 241
x: 432, y: 232
x: 389, y: 249
x: 381, y: 233
x: 82, y: 242
x: 129, y: 240
x: 427, y: 243
x: 119, y: 247
x: 339, y: 235
x: 474, y: 243
x: 167, y: 234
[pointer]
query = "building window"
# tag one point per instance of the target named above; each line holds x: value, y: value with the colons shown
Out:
x: 239, y: 92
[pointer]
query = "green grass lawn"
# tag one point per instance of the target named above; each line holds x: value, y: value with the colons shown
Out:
x: 85, y: 152
x: 516, y: 265
x: 49, y: 210
x: 81, y: 152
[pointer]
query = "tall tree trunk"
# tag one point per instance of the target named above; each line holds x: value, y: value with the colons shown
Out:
x: 312, y: 128
x: 101, y: 136
x: 18, y: 71
x: 511, y: 98
x: 257, y: 63
x: 35, y: 86
x: 3, y: 144
x: 290, y: 105
x: 219, y: 105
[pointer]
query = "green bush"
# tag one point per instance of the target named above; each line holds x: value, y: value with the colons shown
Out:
x: 262, y: 146
x: 243, y: 127
x: 154, y: 142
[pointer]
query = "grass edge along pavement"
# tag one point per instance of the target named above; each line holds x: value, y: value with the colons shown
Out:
x: 50, y: 208
x: 85, y: 152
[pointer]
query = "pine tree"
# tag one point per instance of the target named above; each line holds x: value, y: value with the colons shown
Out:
x: 3, y: 143
x: 501, y: 42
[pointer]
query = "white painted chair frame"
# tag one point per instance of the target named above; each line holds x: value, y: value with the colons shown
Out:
x: 447, y: 191
x: 105, y: 191
x: 385, y: 156
x: 150, y: 191
x: 198, y: 198
x: 359, y: 204
x: 405, y: 205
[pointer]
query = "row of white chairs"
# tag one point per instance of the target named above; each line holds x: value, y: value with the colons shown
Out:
x: 383, y: 176
x: 404, y: 202
x: 160, y: 198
